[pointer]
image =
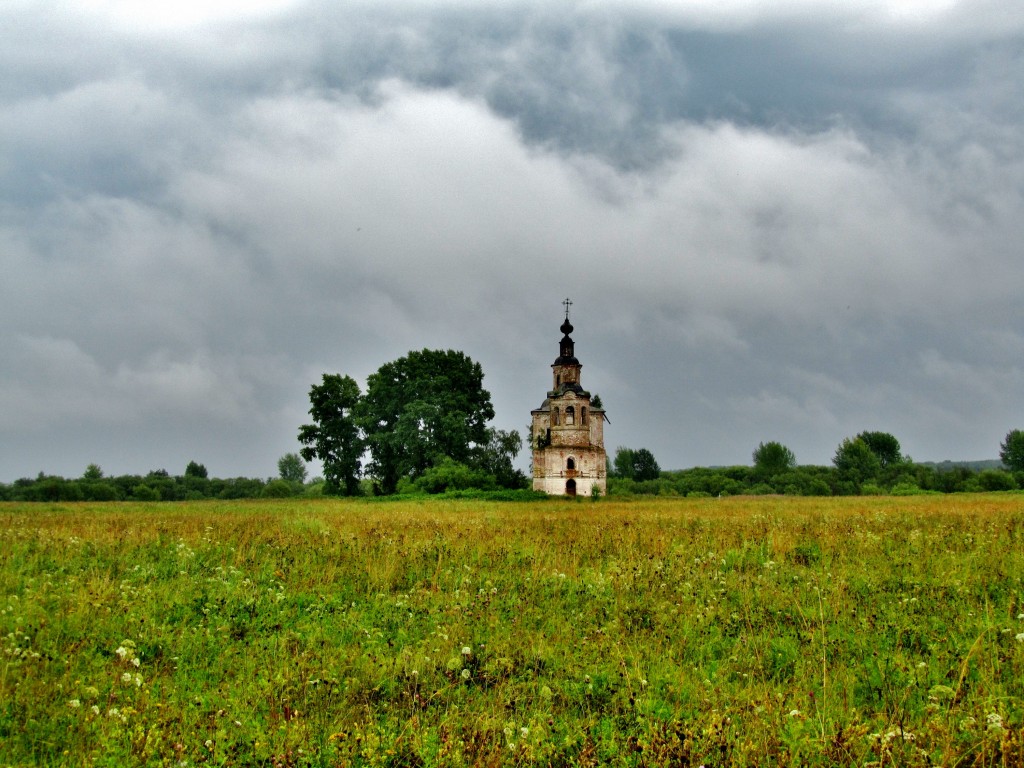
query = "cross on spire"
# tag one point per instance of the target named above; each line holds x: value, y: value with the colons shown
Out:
x: 567, y: 304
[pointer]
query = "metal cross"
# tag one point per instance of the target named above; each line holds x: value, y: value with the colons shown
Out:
x: 567, y: 304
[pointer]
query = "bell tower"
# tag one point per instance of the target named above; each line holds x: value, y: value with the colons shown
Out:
x: 567, y: 431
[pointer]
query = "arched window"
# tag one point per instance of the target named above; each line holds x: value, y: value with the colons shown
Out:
x: 583, y: 415
x: 570, y: 415
x: 554, y: 417
x: 570, y: 463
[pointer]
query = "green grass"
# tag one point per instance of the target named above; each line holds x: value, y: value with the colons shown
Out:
x: 745, y: 631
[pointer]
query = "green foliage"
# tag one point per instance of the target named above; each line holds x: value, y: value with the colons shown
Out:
x: 772, y: 458
x: 856, y: 463
x: 885, y: 447
x: 996, y: 480
x: 451, y: 475
x: 637, y: 464
x: 495, y: 456
x: 291, y: 469
x: 1011, y: 450
x: 146, y: 493
x: 623, y: 463
x: 334, y: 436
x: 195, y: 469
x: 92, y: 473
x: 420, y: 409
x: 278, y: 489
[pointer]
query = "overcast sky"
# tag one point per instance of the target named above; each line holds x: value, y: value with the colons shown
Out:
x: 790, y: 220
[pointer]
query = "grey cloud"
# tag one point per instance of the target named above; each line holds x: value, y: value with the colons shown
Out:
x: 775, y: 228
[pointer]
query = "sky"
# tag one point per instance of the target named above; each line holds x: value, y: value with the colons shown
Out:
x: 791, y: 220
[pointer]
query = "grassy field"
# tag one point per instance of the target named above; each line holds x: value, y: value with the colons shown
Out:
x: 744, y: 631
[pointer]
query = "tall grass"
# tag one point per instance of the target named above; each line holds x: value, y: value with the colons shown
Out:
x: 320, y: 632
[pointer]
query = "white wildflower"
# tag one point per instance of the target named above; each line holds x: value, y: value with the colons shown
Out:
x: 74, y: 703
x: 467, y: 651
x: 465, y: 674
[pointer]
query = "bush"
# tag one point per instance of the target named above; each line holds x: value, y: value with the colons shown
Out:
x: 278, y: 489
x: 996, y: 480
x: 145, y: 493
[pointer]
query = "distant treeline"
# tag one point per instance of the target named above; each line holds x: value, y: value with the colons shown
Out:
x: 900, y: 480
x: 157, y: 485
x: 903, y: 479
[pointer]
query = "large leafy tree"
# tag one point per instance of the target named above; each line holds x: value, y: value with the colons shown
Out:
x: 334, y: 437
x: 420, y: 409
x: 638, y: 464
x: 292, y: 469
x: 856, y: 462
x: 1011, y: 450
x: 884, y: 446
x: 623, y: 462
x: 772, y: 458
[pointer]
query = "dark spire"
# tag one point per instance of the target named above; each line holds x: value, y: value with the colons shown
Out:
x: 566, y: 355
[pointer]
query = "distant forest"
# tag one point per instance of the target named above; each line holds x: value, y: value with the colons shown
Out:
x: 630, y: 473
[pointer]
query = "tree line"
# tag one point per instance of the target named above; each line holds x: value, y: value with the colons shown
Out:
x: 421, y: 426
x: 159, y: 485
x: 871, y: 463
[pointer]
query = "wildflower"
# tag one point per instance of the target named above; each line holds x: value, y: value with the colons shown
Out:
x: 995, y: 721
x: 95, y: 709
x: 467, y: 651
x: 524, y: 732
x: 794, y: 713
x: 465, y: 674
x: 113, y: 712
x: 74, y: 703
x: 1019, y: 637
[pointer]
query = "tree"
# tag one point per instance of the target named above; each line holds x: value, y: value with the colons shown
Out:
x: 495, y: 458
x: 856, y: 462
x: 334, y: 437
x: 623, y: 462
x: 884, y: 446
x: 644, y: 465
x: 292, y: 469
x: 1011, y: 450
x: 637, y: 464
x: 420, y: 409
x: 195, y: 470
x: 93, y: 473
x: 772, y: 459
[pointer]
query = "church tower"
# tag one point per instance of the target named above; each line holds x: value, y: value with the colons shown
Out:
x: 567, y: 431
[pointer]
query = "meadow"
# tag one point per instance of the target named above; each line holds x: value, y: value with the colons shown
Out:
x: 734, y: 631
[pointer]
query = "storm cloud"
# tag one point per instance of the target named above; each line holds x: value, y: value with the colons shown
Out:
x: 787, y: 225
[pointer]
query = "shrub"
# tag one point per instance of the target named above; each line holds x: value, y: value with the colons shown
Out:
x: 278, y: 489
x: 996, y: 480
